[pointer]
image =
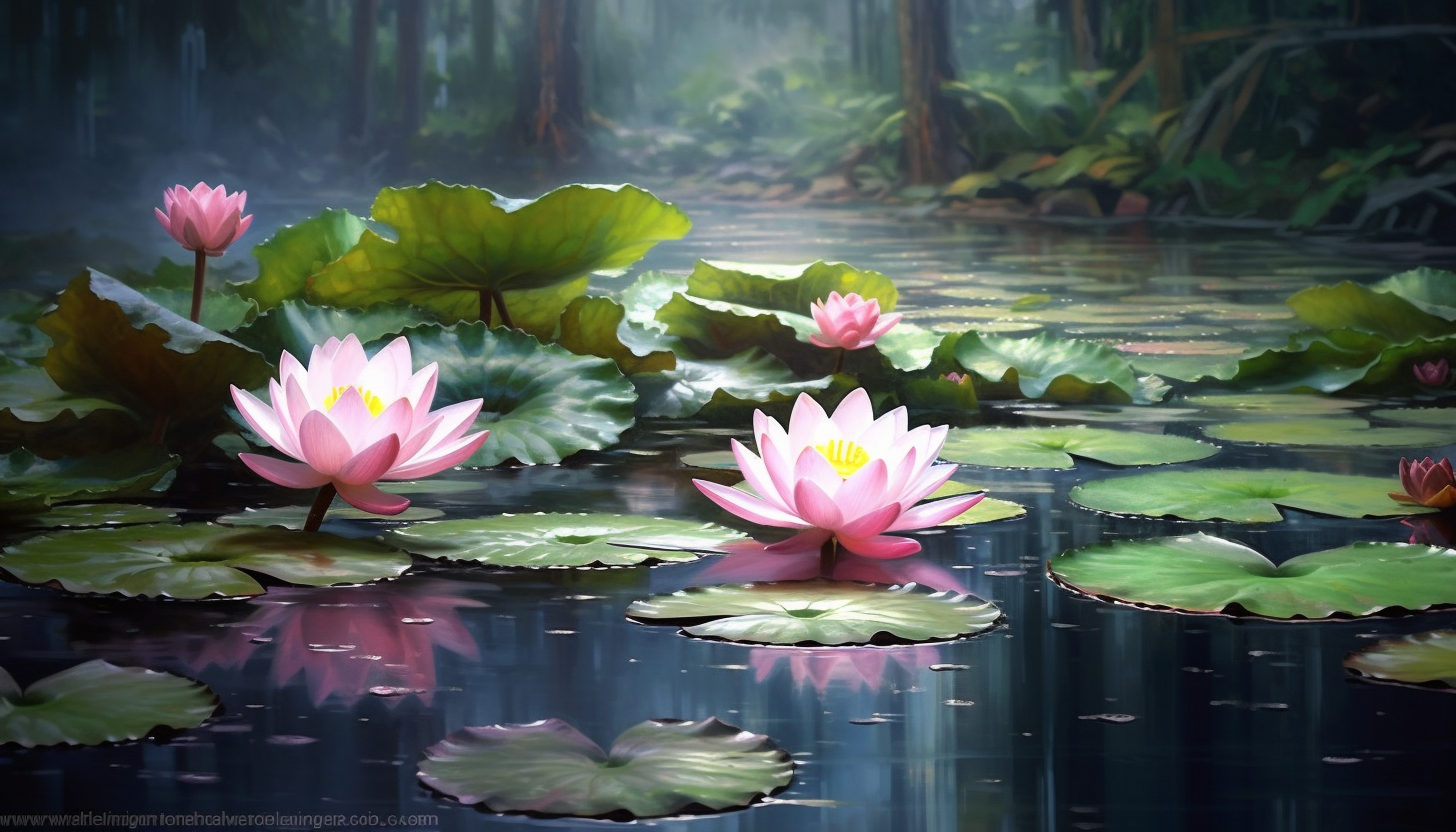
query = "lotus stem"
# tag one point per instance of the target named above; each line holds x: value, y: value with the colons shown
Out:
x: 321, y: 504
x: 838, y: 362
x: 500, y: 303
x: 159, y: 428
x: 199, y: 271
x: 828, y: 554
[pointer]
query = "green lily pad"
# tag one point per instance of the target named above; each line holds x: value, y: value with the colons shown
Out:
x: 542, y: 540
x: 297, y: 327
x: 988, y: 510
x: 1432, y: 291
x: 710, y: 459
x: 1329, y: 430
x: 458, y: 243
x: 818, y: 612
x: 683, y: 391
x: 293, y: 517
x: 295, y: 252
x: 220, y: 312
x: 1244, y: 496
x: 649, y: 293
x: 1274, y: 404
x: 656, y: 768
x: 98, y: 702
x: 1354, y: 306
x: 95, y: 515
x: 1426, y: 659
x: 29, y: 483
x: 1199, y: 573
x: 593, y: 326
x: 541, y: 403
x: 196, y: 560
x: 114, y: 344
x: 1435, y: 416
x: 1054, y: 447
x: 1046, y: 367
x: 42, y: 417
x: 1343, y: 360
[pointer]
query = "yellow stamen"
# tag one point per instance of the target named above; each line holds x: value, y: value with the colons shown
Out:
x: 371, y: 401
x: 845, y: 456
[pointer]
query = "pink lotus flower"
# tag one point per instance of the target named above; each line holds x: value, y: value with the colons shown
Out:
x: 1427, y: 483
x: 1433, y: 373
x: 353, y: 421
x: 204, y: 219
x: 849, y: 322
x: 848, y: 478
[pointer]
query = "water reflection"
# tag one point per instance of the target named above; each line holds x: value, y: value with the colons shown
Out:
x: 871, y: 669
x: 748, y: 562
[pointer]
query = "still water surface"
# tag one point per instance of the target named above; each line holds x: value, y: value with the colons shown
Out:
x: 1074, y: 715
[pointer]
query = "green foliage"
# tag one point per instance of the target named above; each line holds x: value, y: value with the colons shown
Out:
x: 1055, y: 447
x: 98, y: 702
x: 296, y: 252
x: 556, y: 540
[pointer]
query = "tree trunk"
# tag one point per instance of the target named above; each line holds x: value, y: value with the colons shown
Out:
x: 931, y: 152
x: 559, y: 112
x: 482, y: 39
x: 410, y: 30
x: 1083, y: 42
x: 1167, y: 63
x: 357, y: 102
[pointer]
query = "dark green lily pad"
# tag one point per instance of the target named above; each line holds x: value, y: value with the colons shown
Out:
x: 818, y: 612
x: 1274, y: 404
x: 1329, y: 430
x: 1435, y: 416
x: 1245, y: 496
x: 1046, y: 367
x: 1055, y: 447
x: 457, y: 243
x: 753, y: 376
x: 1425, y: 659
x: 196, y: 560
x: 656, y: 768
x: 42, y: 417
x: 114, y: 344
x: 297, y: 327
x: 29, y: 483
x: 295, y: 252
x: 293, y: 517
x: 1203, y: 574
x: 98, y: 702
x: 95, y: 515
x: 542, y: 404
x: 542, y: 540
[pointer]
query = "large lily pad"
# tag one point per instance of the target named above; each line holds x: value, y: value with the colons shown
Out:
x: 98, y: 702
x: 28, y: 483
x: 1354, y: 306
x: 1433, y: 291
x: 196, y: 560
x: 1343, y: 360
x: 1426, y: 659
x: 295, y: 252
x: 1344, y: 431
x: 112, y: 343
x: 541, y: 403
x: 457, y: 244
x: 95, y: 515
x: 819, y: 612
x: 562, y: 539
x: 1046, y: 367
x: 1054, y: 447
x: 988, y: 510
x: 593, y: 326
x: 656, y: 768
x: 38, y: 415
x: 294, y: 517
x: 1245, y: 496
x: 1436, y: 416
x: 1199, y: 573
x: 220, y: 311
x: 1274, y: 405
x: 297, y: 327
x: 753, y: 375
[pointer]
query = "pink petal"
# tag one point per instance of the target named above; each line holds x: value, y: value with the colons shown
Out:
x: 863, y: 491
x: 370, y: 464
x: 815, y: 506
x: 260, y: 417
x: 807, y: 421
x: 286, y: 474
x: 323, y: 446
x: 854, y: 415
x: 934, y: 513
x: 447, y: 456
x: 352, y: 417
x: 388, y: 372
x: 881, y: 546
x: 747, y: 506
x: 371, y: 499
x: 872, y: 523
x: 809, y: 540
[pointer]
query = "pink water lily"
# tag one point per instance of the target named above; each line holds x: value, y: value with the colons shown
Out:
x: 1427, y: 483
x: 844, y: 479
x: 849, y: 322
x: 1433, y: 373
x: 204, y: 219
x: 353, y: 420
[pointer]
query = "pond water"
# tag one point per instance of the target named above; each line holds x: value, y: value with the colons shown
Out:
x: 1073, y: 715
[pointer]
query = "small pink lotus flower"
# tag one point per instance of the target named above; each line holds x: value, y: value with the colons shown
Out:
x: 1433, y: 373
x: 849, y: 322
x: 204, y: 219
x: 1427, y: 483
x: 956, y: 378
x: 848, y: 478
x: 353, y: 420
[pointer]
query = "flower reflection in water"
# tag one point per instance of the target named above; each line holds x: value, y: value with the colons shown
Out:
x: 1434, y: 530
x: 868, y: 668
x: 749, y: 561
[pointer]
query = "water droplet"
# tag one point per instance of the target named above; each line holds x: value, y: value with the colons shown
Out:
x: 869, y: 720
x: 1004, y: 573
x: 959, y: 703
x: 1115, y: 719
x: 943, y: 667
x: 290, y: 739
x: 388, y: 690
x: 417, y: 621
x: 197, y: 777
x: 1340, y: 761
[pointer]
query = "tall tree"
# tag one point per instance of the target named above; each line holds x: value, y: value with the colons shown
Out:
x: 931, y: 151
x: 409, y: 94
x: 358, y: 101
x: 1167, y: 62
x: 557, y: 110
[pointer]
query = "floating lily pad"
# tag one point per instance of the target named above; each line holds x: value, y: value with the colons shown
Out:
x: 295, y: 252
x: 724, y: 460
x: 1112, y: 414
x: 656, y: 768
x: 97, y: 702
x: 1354, y: 306
x: 1436, y: 416
x: 220, y: 312
x: 1055, y: 447
x: 297, y: 327
x: 988, y: 510
x: 683, y: 391
x: 819, y: 612
x: 293, y: 517
x: 1330, y: 430
x: 95, y: 515
x: 1426, y: 659
x: 594, y: 326
x: 1245, y: 496
x: 542, y: 404
x: 1199, y: 573
x: 541, y: 540
x: 196, y: 560
x: 1343, y: 360
x: 28, y: 483
x: 457, y: 244
x: 1274, y: 404
x: 1047, y: 367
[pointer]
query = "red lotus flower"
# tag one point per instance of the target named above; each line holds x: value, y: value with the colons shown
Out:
x: 1433, y: 373
x: 1427, y: 483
